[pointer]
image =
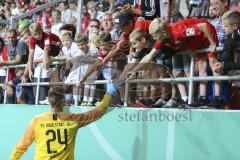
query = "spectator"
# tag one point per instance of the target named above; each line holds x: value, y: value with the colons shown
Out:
x: 49, y: 42
x: 15, y: 9
x: 83, y: 61
x: 93, y: 31
x: 179, y: 63
x: 73, y: 7
x: 140, y: 46
x: 116, y: 32
x: 66, y: 12
x: 17, y: 49
x: 107, y: 23
x: 24, y: 94
x: 17, y: 52
x: 226, y: 61
x: 44, y: 19
x: 70, y: 48
x: 56, y: 22
x: 221, y: 93
x: 94, y: 11
x: 220, y: 7
x: 85, y: 19
x: 68, y: 27
x: 104, y: 44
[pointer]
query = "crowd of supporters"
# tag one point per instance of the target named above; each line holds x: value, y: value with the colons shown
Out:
x: 122, y: 39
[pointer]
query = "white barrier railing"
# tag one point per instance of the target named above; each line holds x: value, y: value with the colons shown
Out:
x: 189, y: 79
x: 2, y: 21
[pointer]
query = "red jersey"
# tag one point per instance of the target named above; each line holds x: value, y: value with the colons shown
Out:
x: 49, y: 40
x: 45, y: 21
x: 144, y: 25
x: 102, y: 54
x: 186, y: 35
x: 139, y: 24
x: 85, y: 23
x: 5, y: 57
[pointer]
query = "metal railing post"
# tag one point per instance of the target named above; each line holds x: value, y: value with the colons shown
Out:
x: 79, y: 17
x: 78, y: 75
x: 38, y: 87
x: 190, y: 85
x: 126, y: 94
x: 5, y: 92
x: 12, y: 21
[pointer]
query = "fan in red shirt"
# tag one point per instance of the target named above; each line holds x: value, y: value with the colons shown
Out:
x: 189, y: 34
x: 50, y: 43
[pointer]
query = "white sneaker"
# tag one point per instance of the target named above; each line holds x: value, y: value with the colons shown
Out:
x: 44, y: 101
x: 172, y: 103
x: 161, y: 101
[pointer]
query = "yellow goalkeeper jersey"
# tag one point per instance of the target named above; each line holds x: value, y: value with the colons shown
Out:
x: 54, y: 134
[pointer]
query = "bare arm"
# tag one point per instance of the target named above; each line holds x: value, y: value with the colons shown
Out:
x: 30, y: 59
x: 128, y: 68
x: 203, y: 27
x: 46, y: 57
x: 90, y: 70
x: 18, y: 60
x: 86, y: 118
x: 30, y: 63
x: 146, y: 59
x: 115, y: 50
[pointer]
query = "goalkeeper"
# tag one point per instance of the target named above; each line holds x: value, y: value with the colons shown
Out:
x: 55, y: 132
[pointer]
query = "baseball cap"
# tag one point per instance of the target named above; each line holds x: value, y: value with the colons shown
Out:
x: 123, y: 18
x: 24, y: 24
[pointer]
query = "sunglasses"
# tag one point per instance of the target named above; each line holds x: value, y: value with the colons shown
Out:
x: 94, y: 26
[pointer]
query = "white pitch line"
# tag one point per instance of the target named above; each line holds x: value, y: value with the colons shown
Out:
x: 170, y: 139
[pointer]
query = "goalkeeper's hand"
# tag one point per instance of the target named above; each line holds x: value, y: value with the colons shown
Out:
x: 113, y: 87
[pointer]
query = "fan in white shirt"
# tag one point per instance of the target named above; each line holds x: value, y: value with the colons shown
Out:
x: 70, y: 48
x: 56, y: 22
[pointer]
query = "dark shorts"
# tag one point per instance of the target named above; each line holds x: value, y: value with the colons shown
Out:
x: 181, y: 62
x: 28, y: 95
